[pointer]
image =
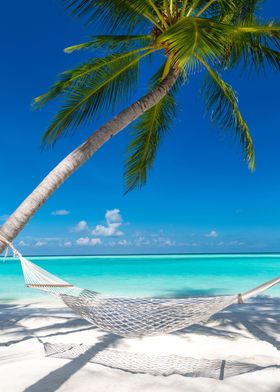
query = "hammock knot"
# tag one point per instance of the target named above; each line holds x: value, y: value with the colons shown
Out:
x: 240, y: 299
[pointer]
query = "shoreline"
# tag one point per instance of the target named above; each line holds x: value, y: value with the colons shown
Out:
x: 153, y: 255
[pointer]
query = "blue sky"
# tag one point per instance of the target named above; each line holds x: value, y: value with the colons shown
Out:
x: 200, y: 196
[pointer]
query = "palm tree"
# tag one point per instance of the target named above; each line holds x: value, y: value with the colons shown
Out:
x: 188, y: 35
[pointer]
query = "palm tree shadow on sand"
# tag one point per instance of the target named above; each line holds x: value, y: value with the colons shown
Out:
x: 55, y: 379
x: 259, y: 317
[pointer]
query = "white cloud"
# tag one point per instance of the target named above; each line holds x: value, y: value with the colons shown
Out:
x: 188, y: 243
x: 212, y: 234
x: 120, y: 243
x: 221, y: 243
x: 67, y: 244
x: 60, y: 212
x: 142, y: 242
x: 95, y: 241
x: 108, y: 231
x: 124, y: 243
x: 168, y: 242
x: 237, y: 243
x: 82, y: 241
x: 23, y: 243
x: 80, y: 226
x: 231, y: 243
x: 85, y: 241
x: 161, y: 239
x: 114, y: 222
x: 157, y: 239
x: 113, y: 216
x: 39, y: 244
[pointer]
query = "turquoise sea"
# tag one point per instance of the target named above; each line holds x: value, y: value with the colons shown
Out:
x: 154, y: 275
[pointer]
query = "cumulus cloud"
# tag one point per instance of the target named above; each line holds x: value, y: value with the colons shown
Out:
x: 113, y: 221
x: 212, y: 234
x: 113, y: 216
x: 108, y: 231
x: 82, y: 241
x: 80, y: 226
x: 86, y: 241
x: 95, y: 241
x: 60, y: 212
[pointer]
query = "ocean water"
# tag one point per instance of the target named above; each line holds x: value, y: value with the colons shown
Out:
x: 157, y: 275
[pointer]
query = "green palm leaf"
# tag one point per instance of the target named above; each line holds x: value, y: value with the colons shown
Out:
x: 240, y: 11
x: 82, y: 73
x: 114, y: 15
x: 101, y: 91
x: 222, y: 103
x: 112, y: 42
x: 254, y: 46
x: 148, y: 135
x: 196, y: 35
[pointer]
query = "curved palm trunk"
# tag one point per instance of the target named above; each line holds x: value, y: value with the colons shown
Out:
x: 16, y: 222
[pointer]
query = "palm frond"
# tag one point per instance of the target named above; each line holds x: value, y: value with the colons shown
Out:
x: 149, y: 132
x: 205, y: 8
x: 222, y: 103
x: 196, y: 35
x: 103, y: 90
x: 82, y: 73
x: 243, y: 11
x: 251, y: 52
x: 114, y: 15
x: 254, y: 46
x: 111, y: 42
x: 269, y: 28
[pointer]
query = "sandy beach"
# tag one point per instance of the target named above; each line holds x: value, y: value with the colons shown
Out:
x: 249, y: 333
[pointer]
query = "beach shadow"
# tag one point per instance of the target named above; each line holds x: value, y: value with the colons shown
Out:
x: 55, y: 379
x: 11, y: 317
x: 207, y: 330
x: 260, y: 317
x: 165, y: 365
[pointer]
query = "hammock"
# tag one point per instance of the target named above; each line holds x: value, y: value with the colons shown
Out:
x: 131, y: 317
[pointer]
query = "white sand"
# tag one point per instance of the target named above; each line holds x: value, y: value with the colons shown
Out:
x: 248, y: 333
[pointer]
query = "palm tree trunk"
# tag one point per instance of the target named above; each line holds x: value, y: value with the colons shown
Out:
x: 16, y: 222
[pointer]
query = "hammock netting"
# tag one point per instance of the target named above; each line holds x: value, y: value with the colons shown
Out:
x: 135, y: 317
x: 128, y: 317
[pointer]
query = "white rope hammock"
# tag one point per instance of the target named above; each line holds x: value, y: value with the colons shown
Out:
x: 131, y: 317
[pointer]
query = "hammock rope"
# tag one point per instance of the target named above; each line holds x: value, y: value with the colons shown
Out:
x: 131, y: 317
